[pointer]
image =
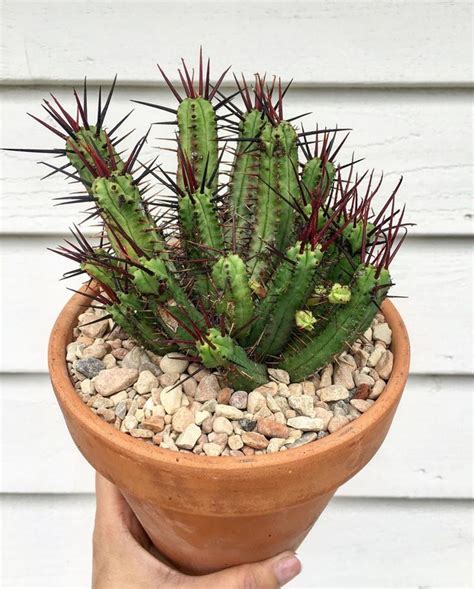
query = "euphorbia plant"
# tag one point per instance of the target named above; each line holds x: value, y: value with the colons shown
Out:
x: 276, y: 260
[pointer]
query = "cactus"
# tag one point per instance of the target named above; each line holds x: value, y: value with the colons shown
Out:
x: 283, y: 265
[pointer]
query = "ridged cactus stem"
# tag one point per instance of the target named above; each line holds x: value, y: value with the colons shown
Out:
x: 313, y: 177
x: 87, y: 142
x: 243, y: 188
x: 221, y: 351
x: 207, y: 222
x: 292, y: 295
x: 155, y: 279
x: 267, y: 210
x: 129, y: 315
x: 198, y: 139
x: 121, y: 207
x: 287, y: 182
x: 230, y: 276
x: 129, y: 312
x: 201, y: 224
x: 347, y: 323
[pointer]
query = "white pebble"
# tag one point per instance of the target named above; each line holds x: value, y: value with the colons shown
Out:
x: 146, y: 382
x: 306, y: 424
x: 275, y: 445
x: 333, y: 392
x: 279, y: 375
x: 187, y: 440
x: 361, y: 404
x: 337, y: 422
x: 383, y: 333
x: 229, y: 412
x: 222, y: 425
x: 255, y: 402
x: 130, y: 422
x: 211, y: 449
x: 174, y: 362
x: 235, y: 442
x: 201, y: 416
x: 375, y: 356
x: 362, y: 378
x: 302, y: 404
x: 87, y: 386
x: 385, y: 365
x: 171, y: 398
x: 377, y: 389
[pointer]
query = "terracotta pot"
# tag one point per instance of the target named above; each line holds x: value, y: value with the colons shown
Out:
x: 204, y: 513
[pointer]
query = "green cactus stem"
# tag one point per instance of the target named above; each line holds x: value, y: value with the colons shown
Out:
x: 285, y: 298
x: 84, y: 144
x: 207, y: 222
x: 287, y: 182
x: 134, y: 321
x: 243, y: 187
x: 267, y: 205
x: 276, y: 192
x: 313, y: 177
x: 202, y: 233
x: 221, y: 351
x: 156, y: 279
x: 198, y: 138
x: 122, y: 208
x: 347, y: 322
x: 230, y: 276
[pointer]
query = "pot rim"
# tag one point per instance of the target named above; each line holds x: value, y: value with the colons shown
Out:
x: 126, y: 444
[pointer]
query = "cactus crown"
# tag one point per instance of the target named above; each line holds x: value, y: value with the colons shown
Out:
x: 273, y: 258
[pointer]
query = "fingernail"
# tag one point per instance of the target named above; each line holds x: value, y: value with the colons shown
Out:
x: 286, y: 569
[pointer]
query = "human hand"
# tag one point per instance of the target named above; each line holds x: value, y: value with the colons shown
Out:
x: 123, y: 559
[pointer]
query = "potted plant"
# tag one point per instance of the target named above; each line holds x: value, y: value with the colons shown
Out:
x: 233, y: 359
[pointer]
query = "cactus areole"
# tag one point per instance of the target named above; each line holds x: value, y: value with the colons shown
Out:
x: 261, y: 249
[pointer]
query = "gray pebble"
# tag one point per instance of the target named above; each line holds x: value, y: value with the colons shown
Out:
x: 248, y: 425
x: 89, y: 367
x: 306, y: 438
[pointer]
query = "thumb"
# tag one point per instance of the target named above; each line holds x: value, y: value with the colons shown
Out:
x: 267, y: 574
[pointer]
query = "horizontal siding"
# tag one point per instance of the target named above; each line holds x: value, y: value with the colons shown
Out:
x: 390, y: 43
x: 407, y: 133
x: 380, y: 544
x: 398, y: 73
x: 431, y: 272
x: 426, y: 453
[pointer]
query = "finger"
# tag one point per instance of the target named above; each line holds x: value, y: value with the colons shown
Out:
x: 268, y: 574
x: 121, y: 544
x: 112, y: 511
x: 109, y: 502
x: 113, y: 514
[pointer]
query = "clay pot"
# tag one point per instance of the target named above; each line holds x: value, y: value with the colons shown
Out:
x: 204, y: 513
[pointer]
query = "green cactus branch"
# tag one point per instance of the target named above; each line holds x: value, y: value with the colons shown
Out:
x: 222, y: 351
x: 243, y: 187
x: 292, y: 297
x: 346, y: 323
x: 122, y: 207
x: 198, y: 137
x: 231, y: 277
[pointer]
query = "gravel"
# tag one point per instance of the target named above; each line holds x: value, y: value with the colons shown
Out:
x: 178, y: 405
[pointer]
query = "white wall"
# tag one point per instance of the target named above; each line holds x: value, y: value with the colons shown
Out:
x: 398, y: 73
